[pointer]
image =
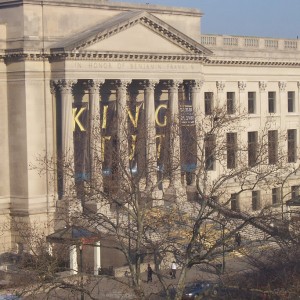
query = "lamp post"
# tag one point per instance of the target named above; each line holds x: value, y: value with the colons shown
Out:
x: 223, y: 247
x: 81, y: 272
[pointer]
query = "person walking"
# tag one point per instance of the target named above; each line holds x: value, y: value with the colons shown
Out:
x: 173, y: 270
x: 149, y: 273
x: 238, y: 239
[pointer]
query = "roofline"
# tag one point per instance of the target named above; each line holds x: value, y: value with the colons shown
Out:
x: 123, y: 21
x: 106, y: 4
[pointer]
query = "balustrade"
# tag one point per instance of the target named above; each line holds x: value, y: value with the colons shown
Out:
x: 245, y: 43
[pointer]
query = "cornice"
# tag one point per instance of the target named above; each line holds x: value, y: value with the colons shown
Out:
x: 248, y: 62
x: 16, y: 55
x: 124, y: 56
x: 175, y: 37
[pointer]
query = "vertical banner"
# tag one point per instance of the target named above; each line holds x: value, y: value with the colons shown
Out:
x: 136, y: 139
x: 161, y: 121
x: 188, y: 140
x: 108, y: 119
x: 80, y: 130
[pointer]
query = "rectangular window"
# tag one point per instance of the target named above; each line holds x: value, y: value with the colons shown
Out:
x: 230, y: 103
x: 255, y: 200
x: 273, y: 146
x: 234, y: 202
x: 251, y: 102
x: 208, y: 102
x: 291, y: 101
x: 252, y: 148
x: 231, y: 144
x: 295, y: 191
x: 272, y: 102
x: 292, y: 145
x: 210, y: 146
x: 276, y: 195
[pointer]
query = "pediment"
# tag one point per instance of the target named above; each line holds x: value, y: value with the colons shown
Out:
x: 132, y: 32
x: 138, y: 39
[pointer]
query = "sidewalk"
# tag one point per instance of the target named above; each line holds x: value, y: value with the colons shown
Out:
x: 110, y: 289
x: 105, y: 288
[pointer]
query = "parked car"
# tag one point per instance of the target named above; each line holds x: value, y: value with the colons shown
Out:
x: 199, y: 290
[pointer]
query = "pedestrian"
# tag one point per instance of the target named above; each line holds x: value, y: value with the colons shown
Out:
x: 173, y: 270
x: 238, y: 239
x: 149, y: 273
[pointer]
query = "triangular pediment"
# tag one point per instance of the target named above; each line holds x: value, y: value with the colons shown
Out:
x: 133, y: 32
x: 138, y: 39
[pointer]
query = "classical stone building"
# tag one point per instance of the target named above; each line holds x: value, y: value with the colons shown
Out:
x: 56, y: 55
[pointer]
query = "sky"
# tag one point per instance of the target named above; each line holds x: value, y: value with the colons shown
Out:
x: 262, y: 18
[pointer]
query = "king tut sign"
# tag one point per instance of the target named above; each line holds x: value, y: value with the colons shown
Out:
x: 136, y: 119
x: 133, y: 117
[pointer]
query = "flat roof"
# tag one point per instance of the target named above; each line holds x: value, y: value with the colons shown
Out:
x: 106, y: 4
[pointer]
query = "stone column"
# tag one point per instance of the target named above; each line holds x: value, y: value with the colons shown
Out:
x: 95, y: 133
x: 220, y: 85
x: 70, y: 206
x: 195, y: 90
x: 281, y: 105
x: 151, y: 159
x: 174, y: 192
x: 198, y: 110
x: 175, y: 175
x: 65, y: 87
x: 66, y: 159
x: 262, y: 101
x: 73, y: 260
x: 243, y: 97
x: 97, y: 257
x: 122, y: 127
x: 54, y: 151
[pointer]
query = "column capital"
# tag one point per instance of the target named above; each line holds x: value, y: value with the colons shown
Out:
x: 282, y: 86
x: 94, y: 85
x: 52, y: 87
x: 65, y: 85
x: 174, y: 84
x: 122, y: 84
x: 196, y: 85
x: 262, y: 85
x: 242, y: 85
x: 220, y: 86
x: 150, y: 84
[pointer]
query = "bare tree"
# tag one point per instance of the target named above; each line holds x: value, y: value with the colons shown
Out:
x: 127, y: 206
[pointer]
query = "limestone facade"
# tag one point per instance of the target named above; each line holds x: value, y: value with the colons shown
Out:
x: 49, y: 48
